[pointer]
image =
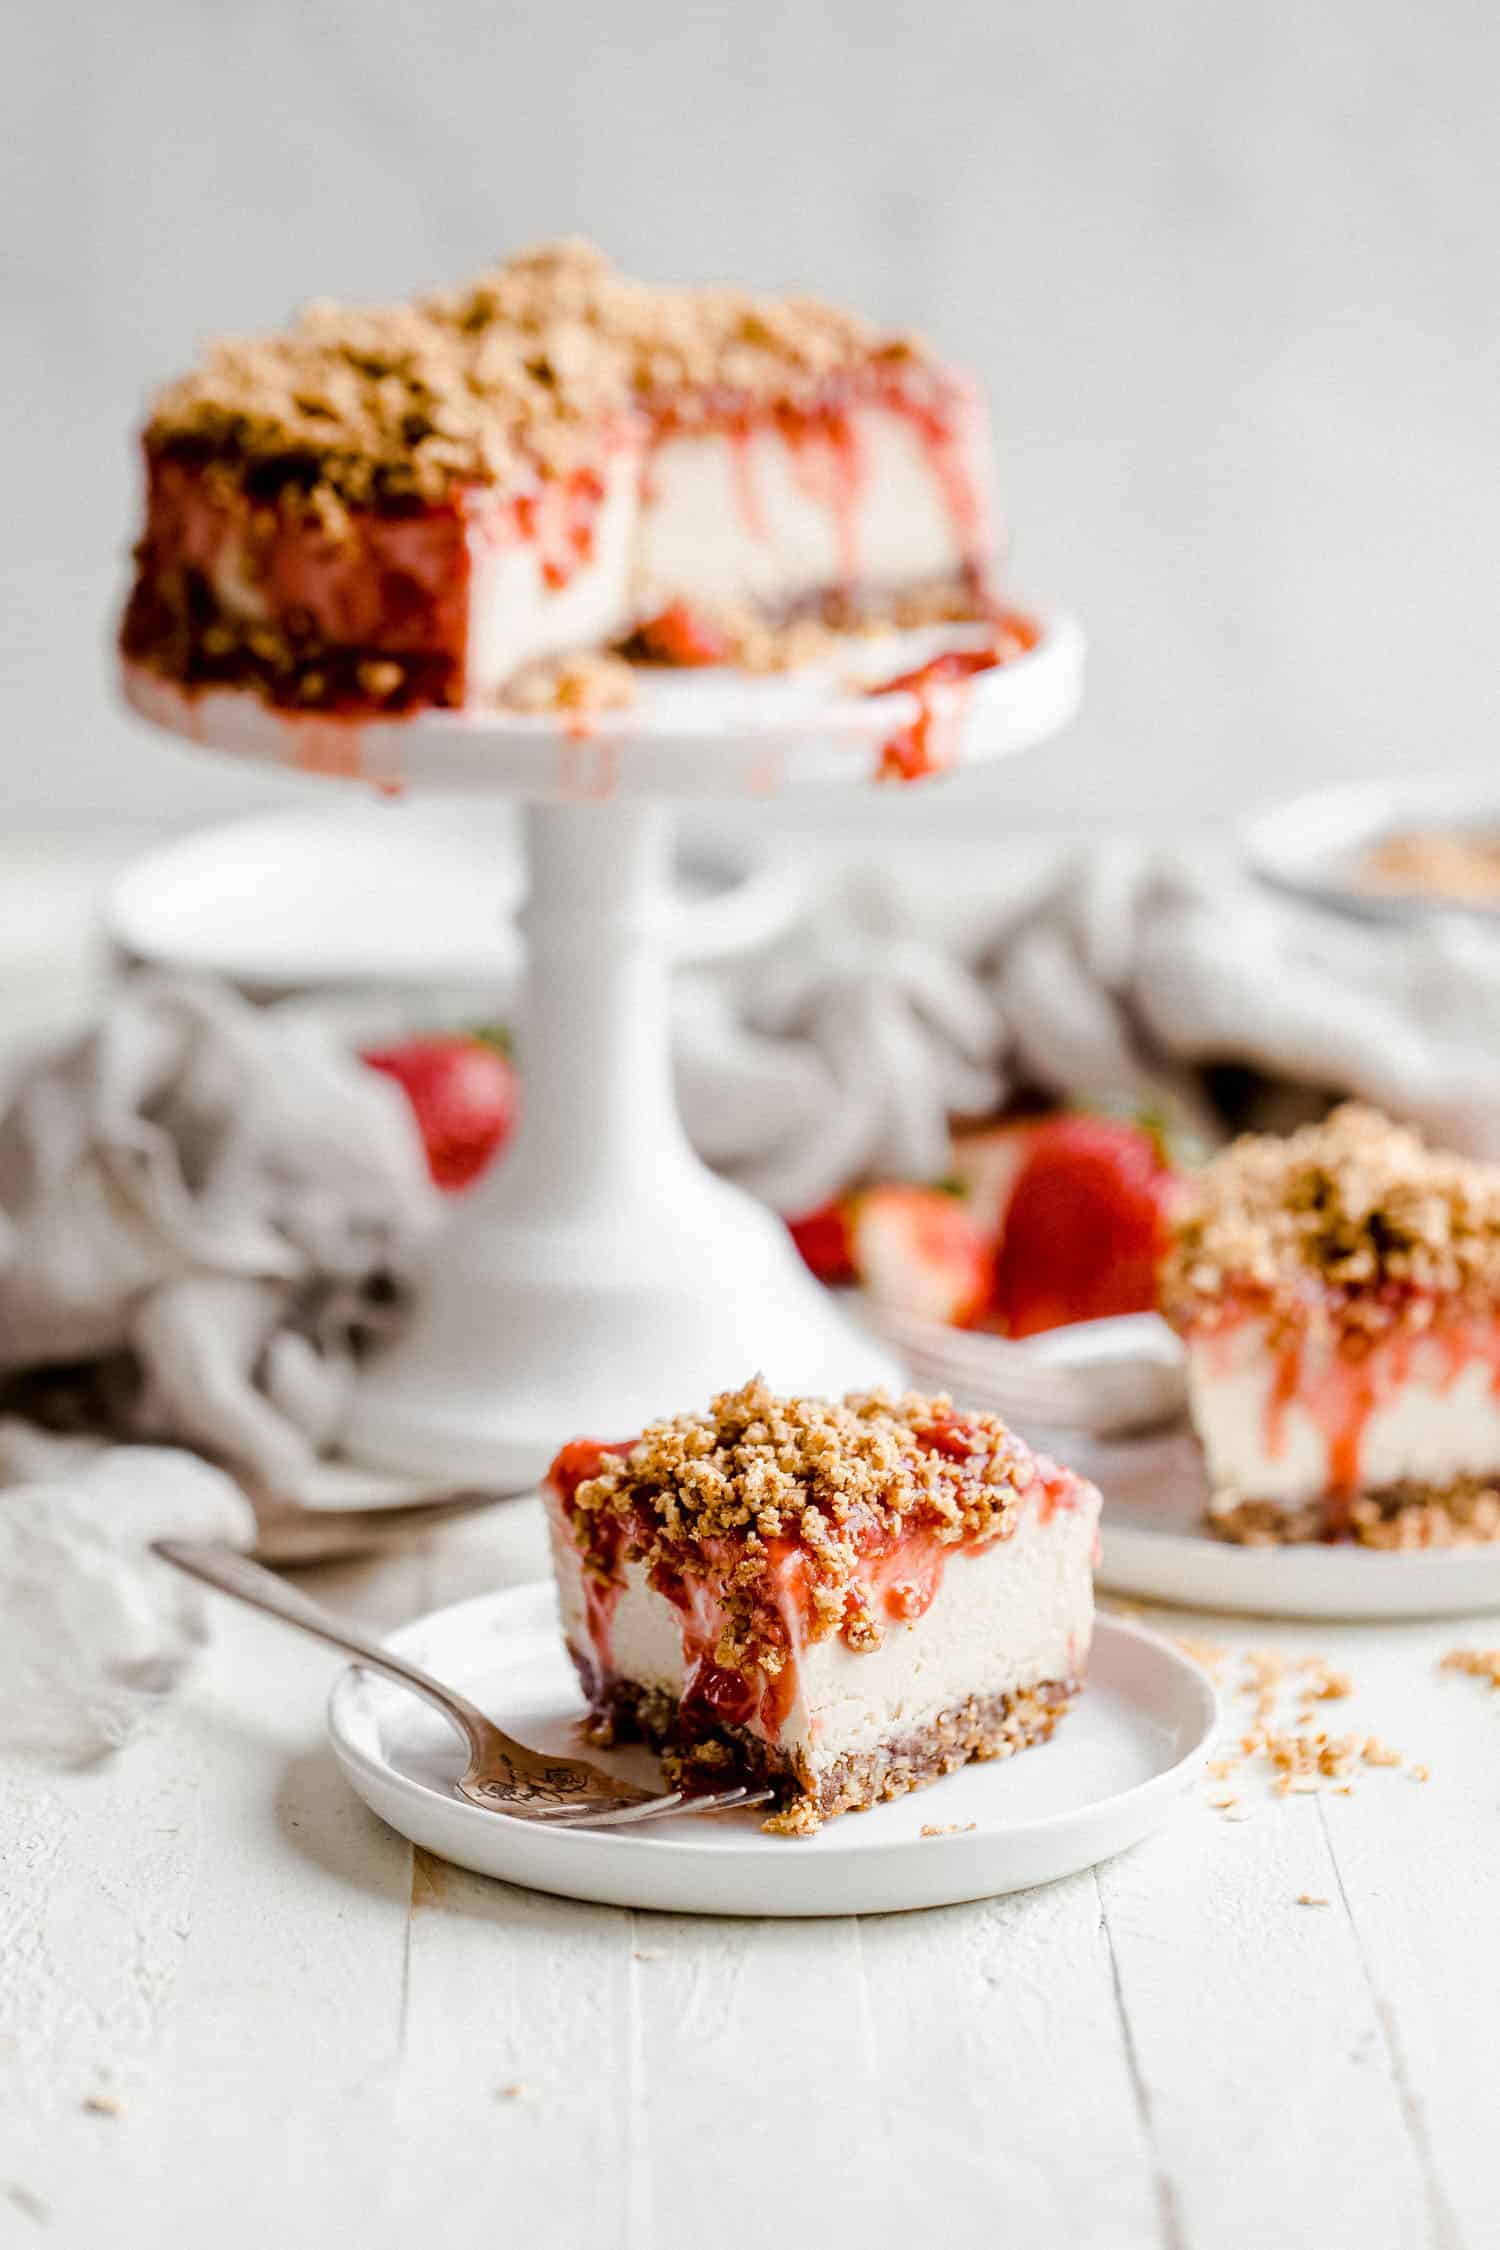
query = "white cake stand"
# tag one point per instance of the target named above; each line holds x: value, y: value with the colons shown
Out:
x: 602, y: 1274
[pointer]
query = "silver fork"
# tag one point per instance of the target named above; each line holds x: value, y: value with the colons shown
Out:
x: 502, y: 1775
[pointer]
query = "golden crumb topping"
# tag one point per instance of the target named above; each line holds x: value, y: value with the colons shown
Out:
x: 1356, y: 1206
x: 788, y: 1502
x: 519, y: 366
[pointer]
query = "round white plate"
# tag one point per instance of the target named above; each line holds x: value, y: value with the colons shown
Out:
x: 348, y: 894
x: 1131, y: 1743
x: 714, y: 733
x: 1155, y: 1543
x: 1311, y: 846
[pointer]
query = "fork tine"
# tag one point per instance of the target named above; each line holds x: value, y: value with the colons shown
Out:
x: 661, y: 1808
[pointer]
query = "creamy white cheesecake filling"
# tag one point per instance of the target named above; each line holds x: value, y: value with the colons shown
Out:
x: 760, y: 517
x: 1422, y: 1410
x: 517, y: 615
x: 1006, y: 1617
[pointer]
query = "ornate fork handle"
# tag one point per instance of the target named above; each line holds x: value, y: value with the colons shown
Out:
x: 530, y: 1776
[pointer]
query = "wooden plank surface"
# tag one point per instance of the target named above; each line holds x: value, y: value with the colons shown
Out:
x: 235, y: 2009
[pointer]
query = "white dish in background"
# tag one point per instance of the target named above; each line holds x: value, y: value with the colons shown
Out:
x: 1311, y: 846
x: 1156, y: 1544
x: 366, y: 893
x: 1132, y: 1742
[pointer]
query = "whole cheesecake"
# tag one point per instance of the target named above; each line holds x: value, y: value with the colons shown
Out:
x: 847, y: 1600
x: 437, y: 503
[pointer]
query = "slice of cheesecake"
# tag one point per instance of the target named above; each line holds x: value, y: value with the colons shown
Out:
x: 380, y: 510
x: 848, y: 1600
x: 1338, y: 1292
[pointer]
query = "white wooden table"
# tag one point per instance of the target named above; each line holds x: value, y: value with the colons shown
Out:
x: 235, y: 2010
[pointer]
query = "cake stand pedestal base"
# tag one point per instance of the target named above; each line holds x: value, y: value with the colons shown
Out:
x: 602, y: 1276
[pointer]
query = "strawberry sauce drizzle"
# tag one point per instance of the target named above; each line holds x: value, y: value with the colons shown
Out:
x: 1341, y: 1392
x: 941, y: 686
x: 747, y: 495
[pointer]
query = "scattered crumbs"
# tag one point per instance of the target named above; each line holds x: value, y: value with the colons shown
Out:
x: 1281, y: 1694
x: 1479, y: 1663
x: 643, y: 1953
x: 1378, y: 1753
x: 1310, y: 1898
x: 1212, y: 1655
x: 949, y: 1828
x: 1419, y: 1773
x: 510, y: 2093
x: 104, y: 2105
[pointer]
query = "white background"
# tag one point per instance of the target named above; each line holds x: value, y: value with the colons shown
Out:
x: 1229, y: 272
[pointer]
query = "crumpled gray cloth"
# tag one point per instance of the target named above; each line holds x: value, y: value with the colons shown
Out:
x: 205, y: 1210
x: 1118, y: 974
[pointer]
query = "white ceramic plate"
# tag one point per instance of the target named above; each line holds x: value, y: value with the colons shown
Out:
x: 1155, y: 1544
x: 1133, y: 1741
x: 1311, y: 846
x: 360, y: 893
x: 714, y: 733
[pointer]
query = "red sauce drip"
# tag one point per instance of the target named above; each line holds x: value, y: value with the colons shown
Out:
x: 916, y: 751
x: 574, y: 1465
x: 334, y: 747
x: 827, y: 461
x: 1284, y: 1387
x: 742, y: 469
x: 1057, y: 1490
x: 945, y: 424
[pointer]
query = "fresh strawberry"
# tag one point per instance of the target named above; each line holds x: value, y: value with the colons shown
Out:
x: 823, y: 1237
x: 987, y: 1161
x: 684, y: 635
x: 1085, y: 1227
x: 462, y: 1090
x: 918, y: 1250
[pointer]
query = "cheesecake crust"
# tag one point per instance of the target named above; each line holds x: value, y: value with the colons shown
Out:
x: 983, y: 1727
x: 1402, y: 1517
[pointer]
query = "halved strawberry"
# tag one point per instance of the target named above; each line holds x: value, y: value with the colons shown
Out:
x: 823, y: 1237
x: 918, y: 1250
x: 462, y: 1090
x: 987, y: 1162
x: 1085, y: 1227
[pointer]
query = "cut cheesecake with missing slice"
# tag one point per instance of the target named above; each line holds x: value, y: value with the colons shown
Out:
x: 1338, y: 1293
x: 383, y: 509
x: 848, y: 1600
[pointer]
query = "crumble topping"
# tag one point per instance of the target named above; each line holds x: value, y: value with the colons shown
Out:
x: 594, y: 681
x: 1356, y: 1204
x: 474, y: 385
x: 740, y: 1491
